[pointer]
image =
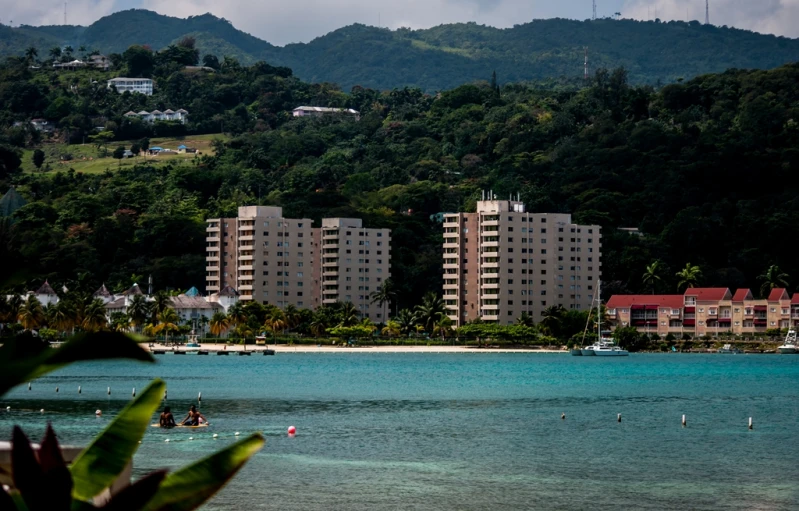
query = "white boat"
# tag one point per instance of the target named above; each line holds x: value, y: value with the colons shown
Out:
x: 605, y: 346
x: 609, y: 350
x: 588, y: 351
x: 730, y: 349
x: 789, y: 346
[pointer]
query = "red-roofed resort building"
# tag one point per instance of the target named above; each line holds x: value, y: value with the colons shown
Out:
x: 701, y: 311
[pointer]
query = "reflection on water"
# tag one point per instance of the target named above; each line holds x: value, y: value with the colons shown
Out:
x: 449, y: 431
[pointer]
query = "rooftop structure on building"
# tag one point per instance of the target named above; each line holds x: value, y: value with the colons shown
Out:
x: 502, y: 261
x: 180, y: 115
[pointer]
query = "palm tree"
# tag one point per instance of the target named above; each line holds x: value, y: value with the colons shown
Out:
x: 525, y: 320
x: 276, y: 321
x: 236, y: 315
x: 772, y: 278
x: 161, y: 302
x: 31, y: 54
x: 348, y: 315
x: 168, y: 321
x: 120, y: 322
x: 384, y: 296
x: 292, y: 315
x: 68, y: 51
x: 651, y: 276
x: 55, y: 52
x: 318, y: 325
x: 406, y: 321
x: 430, y: 311
x: 138, y: 310
x: 219, y: 323
x: 62, y: 316
x: 689, y: 276
x: 392, y: 329
x: 551, y: 318
x: 94, y: 316
x: 443, y: 327
x: 31, y: 313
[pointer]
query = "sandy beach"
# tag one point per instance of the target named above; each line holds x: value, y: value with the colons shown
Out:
x: 282, y: 349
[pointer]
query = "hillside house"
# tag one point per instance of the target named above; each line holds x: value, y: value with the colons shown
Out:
x: 137, y: 85
x: 99, y: 62
x: 319, y: 111
x: 181, y: 115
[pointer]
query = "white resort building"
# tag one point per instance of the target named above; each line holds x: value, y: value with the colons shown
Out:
x: 181, y: 115
x: 140, y: 85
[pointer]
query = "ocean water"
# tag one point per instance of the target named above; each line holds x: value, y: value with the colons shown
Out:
x: 461, y: 431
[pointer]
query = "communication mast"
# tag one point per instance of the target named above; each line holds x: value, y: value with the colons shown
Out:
x: 65, y: 13
x: 594, y: 16
x: 707, y: 12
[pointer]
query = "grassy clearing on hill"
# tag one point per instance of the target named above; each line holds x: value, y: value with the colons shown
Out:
x: 85, y: 157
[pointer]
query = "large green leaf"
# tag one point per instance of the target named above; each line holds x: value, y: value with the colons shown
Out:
x: 97, y: 466
x: 19, y: 363
x: 190, y: 487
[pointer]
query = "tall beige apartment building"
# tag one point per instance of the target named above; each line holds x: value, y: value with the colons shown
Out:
x: 355, y: 261
x: 502, y: 261
x: 285, y: 261
x: 263, y: 256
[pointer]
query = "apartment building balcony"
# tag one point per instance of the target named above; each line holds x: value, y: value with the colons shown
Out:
x: 247, y: 287
x: 246, y: 246
x: 491, y: 286
x: 450, y: 286
x: 489, y: 317
x: 489, y: 265
x: 247, y: 257
x: 211, y: 288
x: 489, y: 307
x: 213, y: 267
x: 246, y: 267
x: 448, y: 244
x: 795, y: 315
x: 326, y: 235
x: 490, y: 222
x: 246, y: 237
x: 330, y: 272
x: 212, y: 228
x: 245, y: 297
x: 453, y: 220
x: 212, y: 239
x: 451, y: 266
x: 212, y: 258
x: 487, y: 244
x: 330, y: 243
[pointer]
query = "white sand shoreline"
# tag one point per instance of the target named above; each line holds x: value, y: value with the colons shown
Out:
x: 283, y: 349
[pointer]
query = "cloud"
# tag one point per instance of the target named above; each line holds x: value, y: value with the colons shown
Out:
x: 51, y: 12
x: 779, y: 17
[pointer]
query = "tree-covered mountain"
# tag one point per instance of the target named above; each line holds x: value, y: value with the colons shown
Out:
x: 442, y: 57
x: 703, y: 168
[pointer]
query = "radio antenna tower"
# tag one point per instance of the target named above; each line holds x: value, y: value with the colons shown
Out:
x: 65, y: 13
x: 707, y: 12
x: 594, y: 16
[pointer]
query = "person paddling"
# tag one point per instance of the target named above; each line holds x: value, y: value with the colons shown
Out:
x: 193, y: 418
x: 167, y: 420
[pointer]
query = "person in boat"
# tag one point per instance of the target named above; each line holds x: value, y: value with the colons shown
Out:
x: 193, y: 418
x: 167, y: 420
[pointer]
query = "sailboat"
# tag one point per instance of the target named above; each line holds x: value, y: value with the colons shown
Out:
x: 789, y: 346
x: 604, y: 347
x: 583, y: 350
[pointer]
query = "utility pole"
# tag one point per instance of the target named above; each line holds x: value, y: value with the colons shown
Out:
x: 585, y: 72
x: 707, y: 12
x: 594, y: 15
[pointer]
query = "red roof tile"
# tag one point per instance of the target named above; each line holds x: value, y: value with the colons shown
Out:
x: 710, y: 294
x: 795, y: 299
x: 777, y: 294
x: 621, y: 301
x: 741, y: 295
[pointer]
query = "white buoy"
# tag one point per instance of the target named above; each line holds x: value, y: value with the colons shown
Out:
x: 215, y: 435
x: 134, y: 391
x: 191, y: 438
x: 750, y: 423
x: 109, y: 391
x: 42, y: 411
x: 683, y: 421
x: 563, y: 416
x: 237, y: 433
x: 78, y: 389
x: 8, y: 408
x: 29, y: 386
x: 618, y: 418
x: 98, y: 413
x: 167, y: 440
x: 56, y: 390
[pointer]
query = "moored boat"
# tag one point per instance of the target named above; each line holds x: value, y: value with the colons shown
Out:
x: 789, y: 346
x: 729, y: 349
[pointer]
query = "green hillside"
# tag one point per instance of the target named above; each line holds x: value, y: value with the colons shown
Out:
x: 445, y: 56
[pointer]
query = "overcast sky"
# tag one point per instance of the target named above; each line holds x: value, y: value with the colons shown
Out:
x: 281, y: 22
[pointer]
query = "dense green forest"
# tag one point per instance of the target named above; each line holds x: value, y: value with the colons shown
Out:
x: 442, y: 57
x: 704, y: 168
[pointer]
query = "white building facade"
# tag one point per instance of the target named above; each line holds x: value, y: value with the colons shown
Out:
x: 138, y: 85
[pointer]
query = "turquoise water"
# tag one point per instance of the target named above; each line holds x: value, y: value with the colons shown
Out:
x: 462, y: 431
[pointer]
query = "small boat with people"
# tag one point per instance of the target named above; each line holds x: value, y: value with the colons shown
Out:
x: 789, y: 346
x: 730, y: 350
